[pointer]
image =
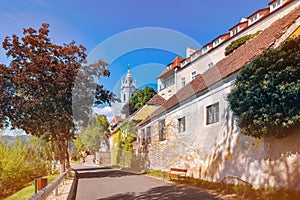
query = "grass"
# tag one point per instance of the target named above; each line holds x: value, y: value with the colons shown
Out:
x: 241, y: 191
x: 28, y: 191
x: 77, y: 162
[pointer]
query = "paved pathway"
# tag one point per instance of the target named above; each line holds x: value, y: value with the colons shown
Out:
x: 112, y: 184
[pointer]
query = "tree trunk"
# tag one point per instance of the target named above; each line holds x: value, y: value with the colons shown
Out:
x: 67, y: 157
x: 62, y: 156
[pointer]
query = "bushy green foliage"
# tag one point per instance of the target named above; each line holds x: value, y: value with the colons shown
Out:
x: 266, y: 95
x: 138, y: 100
x: 123, y: 150
x: 95, y: 133
x: 239, y: 42
x: 20, y: 163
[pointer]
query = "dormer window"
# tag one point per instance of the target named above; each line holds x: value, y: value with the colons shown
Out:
x: 183, y: 63
x: 217, y: 42
x: 253, y: 19
x: 194, y: 56
x: 234, y: 31
x: 275, y: 5
x: 205, y: 49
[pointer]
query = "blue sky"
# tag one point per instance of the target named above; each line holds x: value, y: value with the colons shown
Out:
x: 145, y: 34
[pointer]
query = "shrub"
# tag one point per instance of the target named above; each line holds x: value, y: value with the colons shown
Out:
x: 266, y: 95
x: 20, y: 163
x: 239, y: 42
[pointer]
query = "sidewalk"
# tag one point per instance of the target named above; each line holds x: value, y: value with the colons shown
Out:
x: 63, y: 190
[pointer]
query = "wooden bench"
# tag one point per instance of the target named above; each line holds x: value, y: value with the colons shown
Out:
x: 176, y: 174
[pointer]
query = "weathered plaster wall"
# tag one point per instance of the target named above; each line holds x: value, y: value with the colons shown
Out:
x: 200, y: 65
x: 213, y: 152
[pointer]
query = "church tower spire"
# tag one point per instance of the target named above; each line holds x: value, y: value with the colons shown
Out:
x: 128, y: 87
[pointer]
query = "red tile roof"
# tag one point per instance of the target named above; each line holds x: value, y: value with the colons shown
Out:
x: 175, y: 63
x: 231, y: 63
x: 116, y: 119
x: 264, y: 11
x: 156, y: 100
x: 243, y: 25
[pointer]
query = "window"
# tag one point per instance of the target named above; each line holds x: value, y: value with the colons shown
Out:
x: 168, y: 82
x: 169, y: 93
x: 181, y: 124
x: 162, y: 130
x: 194, y: 56
x: 275, y: 5
x: 182, y: 81
x: 235, y: 31
x: 212, y: 113
x: 253, y: 19
x: 211, y: 64
x: 142, y: 137
x: 205, y: 49
x: 216, y: 42
x: 148, y: 135
x: 194, y: 74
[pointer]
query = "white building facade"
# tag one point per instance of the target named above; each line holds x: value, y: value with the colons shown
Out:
x: 195, y: 129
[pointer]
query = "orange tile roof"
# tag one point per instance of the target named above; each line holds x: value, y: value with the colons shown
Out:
x: 116, y: 119
x: 175, y: 63
x: 156, y: 100
x: 264, y: 11
x: 230, y: 64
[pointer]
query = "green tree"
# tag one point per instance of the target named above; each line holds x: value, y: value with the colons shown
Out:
x: 138, y: 100
x: 95, y: 133
x: 39, y: 90
x: 266, y: 95
x: 21, y: 160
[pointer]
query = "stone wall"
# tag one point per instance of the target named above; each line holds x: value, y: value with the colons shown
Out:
x: 217, y: 151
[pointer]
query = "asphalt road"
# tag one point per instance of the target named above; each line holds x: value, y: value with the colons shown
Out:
x: 95, y: 183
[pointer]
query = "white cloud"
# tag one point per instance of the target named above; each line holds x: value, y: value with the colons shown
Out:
x: 109, y: 111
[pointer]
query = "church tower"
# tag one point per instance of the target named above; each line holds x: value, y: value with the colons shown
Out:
x: 128, y: 87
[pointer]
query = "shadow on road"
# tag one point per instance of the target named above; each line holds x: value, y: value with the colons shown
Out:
x: 91, y: 168
x: 165, y: 193
x: 96, y: 173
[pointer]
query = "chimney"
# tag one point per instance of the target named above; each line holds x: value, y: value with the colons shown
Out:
x: 190, y: 51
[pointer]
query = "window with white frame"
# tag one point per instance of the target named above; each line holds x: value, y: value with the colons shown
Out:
x: 205, y: 49
x: 170, y: 93
x: 168, y: 82
x: 194, y: 56
x: 148, y: 135
x: 217, y: 42
x: 181, y: 124
x: 182, y: 81
x: 234, y: 31
x: 253, y: 19
x: 212, y: 113
x: 275, y: 5
x: 194, y: 74
x: 162, y: 130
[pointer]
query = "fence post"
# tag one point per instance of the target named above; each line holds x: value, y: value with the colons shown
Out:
x: 35, y: 189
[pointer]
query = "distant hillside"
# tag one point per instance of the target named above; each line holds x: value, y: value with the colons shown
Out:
x: 11, y: 139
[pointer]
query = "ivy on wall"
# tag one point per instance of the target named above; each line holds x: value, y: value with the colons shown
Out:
x: 239, y: 42
x: 266, y: 95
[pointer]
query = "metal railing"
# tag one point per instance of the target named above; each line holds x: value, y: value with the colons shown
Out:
x: 45, y: 192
